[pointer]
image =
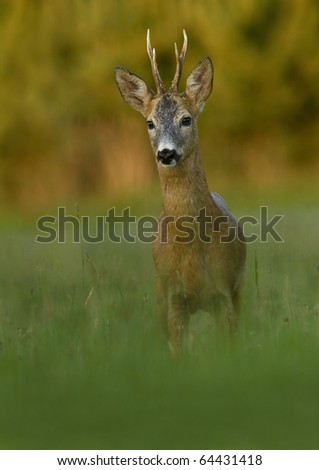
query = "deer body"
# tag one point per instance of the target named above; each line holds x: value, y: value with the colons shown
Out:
x: 205, y: 270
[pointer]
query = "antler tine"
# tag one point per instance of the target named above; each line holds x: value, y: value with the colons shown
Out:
x: 179, y: 62
x: 152, y: 55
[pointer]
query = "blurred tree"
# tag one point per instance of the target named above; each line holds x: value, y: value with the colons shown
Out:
x: 63, y: 124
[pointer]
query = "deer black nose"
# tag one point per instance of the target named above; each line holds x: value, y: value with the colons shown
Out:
x: 168, y: 157
x: 166, y: 154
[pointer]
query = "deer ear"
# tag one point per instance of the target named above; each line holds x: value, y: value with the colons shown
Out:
x: 133, y: 89
x: 199, y: 83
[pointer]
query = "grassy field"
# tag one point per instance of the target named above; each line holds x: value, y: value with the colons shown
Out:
x: 83, y: 364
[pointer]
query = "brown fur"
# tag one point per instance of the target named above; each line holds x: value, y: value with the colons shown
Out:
x: 194, y: 275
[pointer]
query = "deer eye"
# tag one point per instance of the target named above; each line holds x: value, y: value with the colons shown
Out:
x: 186, y: 121
x: 150, y: 125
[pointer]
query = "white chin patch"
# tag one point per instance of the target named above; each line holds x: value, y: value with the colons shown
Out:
x: 168, y: 165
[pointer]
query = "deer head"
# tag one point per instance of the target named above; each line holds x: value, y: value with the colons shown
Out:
x: 171, y: 116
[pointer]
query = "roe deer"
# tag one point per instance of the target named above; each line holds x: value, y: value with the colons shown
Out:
x: 206, y: 272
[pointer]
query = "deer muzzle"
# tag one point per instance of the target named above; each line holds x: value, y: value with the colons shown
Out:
x: 168, y: 157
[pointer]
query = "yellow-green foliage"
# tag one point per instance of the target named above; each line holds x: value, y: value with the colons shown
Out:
x: 63, y: 123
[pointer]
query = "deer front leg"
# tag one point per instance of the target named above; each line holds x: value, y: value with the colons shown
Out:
x: 178, y: 318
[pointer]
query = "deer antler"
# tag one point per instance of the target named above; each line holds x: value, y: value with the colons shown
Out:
x: 152, y: 55
x: 179, y: 63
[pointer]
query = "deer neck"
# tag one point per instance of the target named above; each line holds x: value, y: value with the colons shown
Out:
x: 184, y: 188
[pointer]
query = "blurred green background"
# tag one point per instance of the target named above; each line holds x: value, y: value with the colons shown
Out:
x: 65, y: 132
x: 82, y: 361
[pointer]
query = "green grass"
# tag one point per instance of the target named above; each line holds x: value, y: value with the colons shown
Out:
x: 93, y: 371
